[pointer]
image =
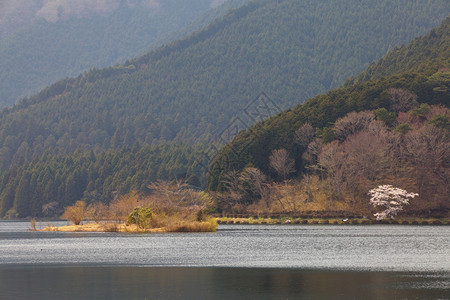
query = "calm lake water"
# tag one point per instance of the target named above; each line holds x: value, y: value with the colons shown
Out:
x: 236, y: 262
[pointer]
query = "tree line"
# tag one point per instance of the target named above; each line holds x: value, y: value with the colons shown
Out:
x: 43, y: 187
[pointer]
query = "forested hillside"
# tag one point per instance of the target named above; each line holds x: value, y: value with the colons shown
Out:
x: 389, y: 130
x: 56, y: 39
x: 187, y: 91
x: 55, y: 181
x: 425, y: 54
x: 184, y: 92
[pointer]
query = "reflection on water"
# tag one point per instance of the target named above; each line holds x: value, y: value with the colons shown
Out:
x: 237, y: 262
x: 213, y: 283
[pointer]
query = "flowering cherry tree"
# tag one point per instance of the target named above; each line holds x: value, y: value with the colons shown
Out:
x: 390, y: 197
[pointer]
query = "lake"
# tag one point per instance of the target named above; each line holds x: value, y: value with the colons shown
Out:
x: 236, y: 262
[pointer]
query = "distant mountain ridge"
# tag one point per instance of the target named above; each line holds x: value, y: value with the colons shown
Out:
x: 57, y: 39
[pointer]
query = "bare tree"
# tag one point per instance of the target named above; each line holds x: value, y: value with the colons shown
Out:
x: 97, y: 211
x: 256, y: 182
x: 402, y: 99
x: 171, y: 196
x: 304, y: 135
x: 352, y: 123
x: 231, y: 180
x: 428, y: 151
x: 282, y: 163
x: 312, y: 152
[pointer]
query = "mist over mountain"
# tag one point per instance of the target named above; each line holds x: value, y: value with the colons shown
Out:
x: 43, y: 41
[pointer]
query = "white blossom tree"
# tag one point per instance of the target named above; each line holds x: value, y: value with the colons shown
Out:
x: 390, y: 197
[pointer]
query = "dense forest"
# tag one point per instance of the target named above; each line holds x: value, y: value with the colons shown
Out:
x: 190, y: 89
x: 391, y: 129
x: 54, y: 182
x: 85, y: 34
x: 187, y: 91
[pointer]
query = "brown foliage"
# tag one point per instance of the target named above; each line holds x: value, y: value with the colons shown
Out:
x: 281, y: 163
x: 402, y: 99
x: 97, y: 212
x: 120, y: 208
x: 304, y: 135
x: 352, y: 123
x: 75, y: 213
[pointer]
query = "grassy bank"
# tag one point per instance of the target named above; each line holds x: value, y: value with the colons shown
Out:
x: 334, y: 221
x: 205, y: 226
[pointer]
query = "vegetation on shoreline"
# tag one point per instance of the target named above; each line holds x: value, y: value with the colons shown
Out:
x: 170, y: 207
x: 287, y: 220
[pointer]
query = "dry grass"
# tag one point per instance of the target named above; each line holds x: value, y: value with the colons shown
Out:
x: 205, y: 226
x: 294, y: 199
x: 179, y: 226
x: 101, y: 227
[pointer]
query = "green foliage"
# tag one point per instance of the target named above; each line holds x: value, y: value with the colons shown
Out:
x: 403, y: 128
x: 92, y: 177
x: 425, y: 54
x: 440, y: 121
x: 420, y: 111
x: 141, y: 216
x: 388, y: 117
x: 441, y: 80
x: 327, y: 135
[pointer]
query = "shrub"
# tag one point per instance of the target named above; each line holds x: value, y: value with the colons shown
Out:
x: 141, y: 216
x: 75, y: 213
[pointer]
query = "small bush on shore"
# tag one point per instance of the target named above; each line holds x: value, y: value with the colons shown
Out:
x: 75, y: 213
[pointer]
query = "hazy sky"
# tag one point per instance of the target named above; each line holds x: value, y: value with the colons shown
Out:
x: 17, y: 13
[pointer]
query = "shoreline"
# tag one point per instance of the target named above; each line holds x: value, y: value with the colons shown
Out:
x: 330, y: 221
x: 203, y: 226
x: 132, y: 228
x: 102, y: 227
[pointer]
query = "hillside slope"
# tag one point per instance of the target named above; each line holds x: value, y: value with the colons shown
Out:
x: 86, y: 34
x: 192, y: 88
x: 426, y: 54
x: 337, y: 146
x: 430, y: 84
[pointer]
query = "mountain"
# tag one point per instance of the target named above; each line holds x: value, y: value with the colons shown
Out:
x: 388, y: 125
x: 192, y: 88
x: 424, y: 54
x: 44, y: 41
x: 430, y: 84
x: 186, y: 91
